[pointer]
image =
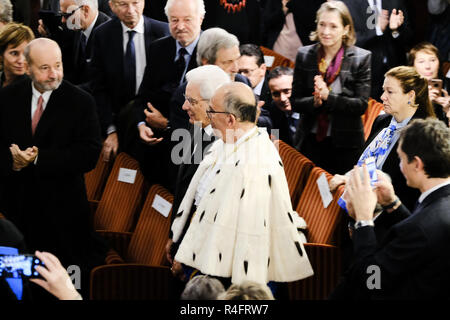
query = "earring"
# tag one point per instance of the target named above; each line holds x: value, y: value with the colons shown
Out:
x: 409, y: 102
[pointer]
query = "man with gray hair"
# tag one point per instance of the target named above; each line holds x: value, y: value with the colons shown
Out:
x: 170, y: 58
x: 6, y: 12
x: 202, y: 82
x: 83, y: 17
x: 243, y: 227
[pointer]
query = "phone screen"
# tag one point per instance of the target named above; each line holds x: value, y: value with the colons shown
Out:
x: 372, y: 168
x: 19, y: 266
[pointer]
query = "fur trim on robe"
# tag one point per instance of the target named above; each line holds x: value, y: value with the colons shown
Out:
x: 244, y: 226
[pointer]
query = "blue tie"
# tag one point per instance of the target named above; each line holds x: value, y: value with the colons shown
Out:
x: 379, y: 146
x: 130, y: 64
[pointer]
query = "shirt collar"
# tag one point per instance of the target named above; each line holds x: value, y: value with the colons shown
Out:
x: 89, y: 29
x: 209, y: 130
x: 139, y: 28
x: 399, y: 125
x: 37, y: 94
x: 258, y: 88
x: 190, y: 48
x: 431, y: 190
x: 246, y: 135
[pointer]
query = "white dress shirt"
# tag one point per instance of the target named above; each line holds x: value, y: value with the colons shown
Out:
x: 139, y: 45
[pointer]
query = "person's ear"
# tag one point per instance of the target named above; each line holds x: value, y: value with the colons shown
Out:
x: 418, y: 164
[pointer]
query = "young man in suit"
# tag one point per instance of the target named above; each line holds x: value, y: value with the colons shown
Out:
x: 412, y: 260
x: 50, y: 137
x: 121, y: 51
x: 282, y: 117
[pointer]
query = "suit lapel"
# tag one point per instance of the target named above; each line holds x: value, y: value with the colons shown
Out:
x: 346, y: 64
x: 431, y: 198
x: 148, y: 37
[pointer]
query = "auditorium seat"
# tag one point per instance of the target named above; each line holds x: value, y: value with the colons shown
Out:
x: 95, y: 179
x: 143, y: 263
x: 278, y: 59
x: 324, y: 228
x: 373, y: 110
x: 120, y: 200
x: 322, y: 222
x: 325, y: 261
x: 297, y: 169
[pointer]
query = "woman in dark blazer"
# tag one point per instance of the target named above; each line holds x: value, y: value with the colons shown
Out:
x: 405, y: 98
x: 14, y: 37
x: 330, y: 91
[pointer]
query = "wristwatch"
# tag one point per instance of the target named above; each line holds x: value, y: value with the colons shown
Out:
x: 395, y: 34
x: 364, y: 223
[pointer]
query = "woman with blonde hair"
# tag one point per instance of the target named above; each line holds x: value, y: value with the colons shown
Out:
x: 330, y: 90
x: 14, y: 37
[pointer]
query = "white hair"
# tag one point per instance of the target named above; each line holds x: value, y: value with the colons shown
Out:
x: 6, y: 11
x: 211, y: 41
x: 200, y: 7
x: 208, y: 78
x: 90, y: 3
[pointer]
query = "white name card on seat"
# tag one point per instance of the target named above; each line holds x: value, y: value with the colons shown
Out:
x: 268, y: 60
x: 127, y: 175
x: 324, y: 190
x: 162, y: 205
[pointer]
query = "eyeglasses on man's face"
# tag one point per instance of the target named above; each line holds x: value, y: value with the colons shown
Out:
x: 210, y: 111
x: 193, y: 102
x: 67, y: 15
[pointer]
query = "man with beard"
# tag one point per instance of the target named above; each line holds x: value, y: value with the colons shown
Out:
x: 49, y: 137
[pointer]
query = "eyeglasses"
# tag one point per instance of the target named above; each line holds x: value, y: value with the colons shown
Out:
x: 67, y: 15
x: 192, y: 101
x: 277, y: 94
x: 210, y: 112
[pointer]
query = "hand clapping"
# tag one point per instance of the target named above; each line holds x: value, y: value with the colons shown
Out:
x: 22, y: 159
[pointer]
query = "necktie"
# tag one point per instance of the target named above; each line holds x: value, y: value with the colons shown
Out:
x: 180, y: 65
x: 83, y: 42
x: 379, y: 146
x: 37, y: 114
x: 130, y: 64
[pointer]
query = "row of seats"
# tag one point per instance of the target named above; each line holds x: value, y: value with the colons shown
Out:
x: 138, y: 233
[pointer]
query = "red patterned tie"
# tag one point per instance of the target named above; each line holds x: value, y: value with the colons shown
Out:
x: 37, y: 114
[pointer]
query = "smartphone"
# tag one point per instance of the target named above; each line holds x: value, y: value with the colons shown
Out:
x: 436, y: 84
x: 372, y: 168
x: 19, y: 266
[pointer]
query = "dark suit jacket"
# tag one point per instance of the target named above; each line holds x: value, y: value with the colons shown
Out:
x: 76, y: 62
x: 159, y: 84
x: 47, y: 200
x: 385, y: 46
x: 391, y: 165
x: 107, y: 66
x: 304, y: 13
x: 414, y: 256
x: 345, y: 108
x: 280, y: 122
x: 186, y: 171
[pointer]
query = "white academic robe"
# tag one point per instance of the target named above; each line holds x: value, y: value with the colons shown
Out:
x: 244, y: 226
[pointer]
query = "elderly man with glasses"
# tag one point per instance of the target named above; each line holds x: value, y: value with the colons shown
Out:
x: 201, y: 85
x: 243, y: 225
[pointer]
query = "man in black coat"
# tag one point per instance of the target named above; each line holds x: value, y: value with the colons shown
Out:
x: 413, y: 259
x: 170, y: 58
x: 49, y: 137
x: 117, y: 74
